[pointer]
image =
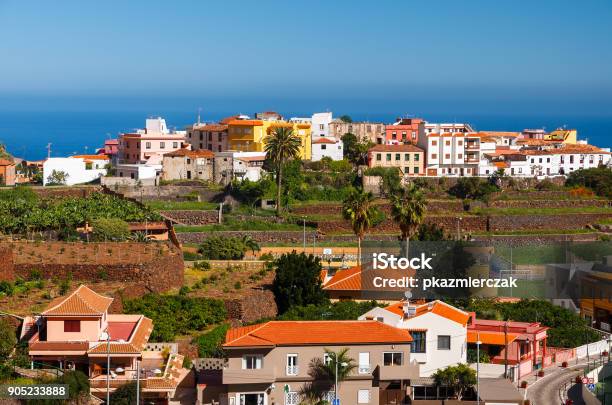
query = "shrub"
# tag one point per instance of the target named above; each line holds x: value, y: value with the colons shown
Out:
x: 237, y: 285
x: 222, y: 248
x: 473, y: 188
x: 209, y: 343
x: 124, y: 395
x: 8, y: 339
x: 110, y: 229
x: 35, y: 274
x: 202, y: 265
x: 77, y: 381
x: 597, y: 179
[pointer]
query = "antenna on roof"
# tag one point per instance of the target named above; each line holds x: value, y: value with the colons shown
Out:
x: 49, y: 150
x: 199, y: 111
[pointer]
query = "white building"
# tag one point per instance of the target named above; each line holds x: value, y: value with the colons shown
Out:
x: 443, y: 127
x: 320, y: 125
x: 327, y: 147
x: 438, y: 330
x: 244, y: 165
x: 564, y: 160
x: 452, y: 153
x: 78, y: 169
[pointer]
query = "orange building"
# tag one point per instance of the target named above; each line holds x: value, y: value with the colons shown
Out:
x: 7, y: 172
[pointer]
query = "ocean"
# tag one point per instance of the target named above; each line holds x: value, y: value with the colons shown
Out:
x: 27, y: 133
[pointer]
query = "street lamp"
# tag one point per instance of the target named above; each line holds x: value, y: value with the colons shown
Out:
x: 106, y: 336
x: 478, y: 343
x: 336, y: 397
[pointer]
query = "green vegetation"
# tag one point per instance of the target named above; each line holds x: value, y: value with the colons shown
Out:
x: 8, y: 340
x: 110, y: 229
x: 175, y: 315
x: 554, y: 253
x: 297, y: 281
x: 460, y: 377
x: 124, y: 395
x: 233, y: 224
x: 21, y: 211
x: 181, y: 205
x: 342, y: 310
x: 209, y: 344
x: 597, y: 179
x: 541, y: 211
x: 567, y: 329
x: 473, y: 188
x: 360, y: 210
x: 226, y: 248
x: 57, y: 178
x: 408, y: 208
x: 324, y: 375
x: 356, y: 150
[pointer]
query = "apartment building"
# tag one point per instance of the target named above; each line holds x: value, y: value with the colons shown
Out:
x: 408, y: 158
x: 372, y: 131
x: 269, y: 363
x: 447, y: 127
x: 438, y: 330
x: 76, y: 332
x: 452, y: 153
x: 208, y: 136
x: 185, y: 164
x: 405, y: 130
x: 246, y: 135
x: 148, y: 145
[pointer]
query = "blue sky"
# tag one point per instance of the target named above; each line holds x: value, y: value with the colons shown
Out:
x: 453, y: 55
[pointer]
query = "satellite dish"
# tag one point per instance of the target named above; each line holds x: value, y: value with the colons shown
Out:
x: 408, y: 294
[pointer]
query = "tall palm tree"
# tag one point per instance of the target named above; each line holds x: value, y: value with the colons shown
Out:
x: 360, y: 210
x: 281, y: 145
x: 408, y: 208
x: 323, y: 374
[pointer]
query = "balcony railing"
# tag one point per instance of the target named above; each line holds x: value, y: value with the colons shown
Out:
x: 472, y: 145
x: 292, y: 370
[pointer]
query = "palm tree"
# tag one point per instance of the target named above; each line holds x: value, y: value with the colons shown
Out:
x: 281, y: 145
x: 408, y: 208
x: 360, y: 210
x: 323, y: 374
x: 250, y: 243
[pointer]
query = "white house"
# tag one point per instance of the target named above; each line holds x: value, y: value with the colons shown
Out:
x: 442, y: 127
x: 320, y: 125
x: 438, y: 330
x: 451, y: 153
x: 327, y: 147
x: 566, y: 159
x: 77, y: 169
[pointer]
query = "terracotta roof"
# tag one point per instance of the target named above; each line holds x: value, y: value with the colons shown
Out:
x: 247, y: 123
x: 490, y: 338
x: 323, y: 140
x: 501, y: 164
x: 396, y: 148
x: 147, y: 226
x: 497, y: 133
x: 211, y: 127
x: 436, y: 307
x: 200, y: 153
x: 91, y: 157
x: 6, y: 162
x: 252, y: 158
x: 301, y: 333
x: 345, y: 279
x: 82, y: 301
x: 136, y: 344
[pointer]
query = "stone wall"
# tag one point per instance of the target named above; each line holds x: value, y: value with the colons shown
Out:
x: 259, y: 236
x: 192, y: 217
x: 63, y: 192
x: 549, y: 203
x: 258, y: 304
x: 500, y: 223
x: 156, y: 267
x: 170, y: 192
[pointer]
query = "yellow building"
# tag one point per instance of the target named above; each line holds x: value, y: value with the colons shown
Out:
x: 249, y: 135
x: 569, y: 136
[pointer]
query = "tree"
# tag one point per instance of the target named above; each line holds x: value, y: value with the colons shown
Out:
x: 110, y: 229
x: 408, y: 208
x: 346, y: 118
x: 355, y: 150
x: 250, y: 243
x: 57, y: 178
x: 124, y: 395
x: 472, y: 188
x: 223, y: 248
x: 77, y: 381
x: 597, y: 179
x: 281, y: 145
x: 323, y: 374
x: 359, y: 209
x: 251, y: 192
x: 297, y: 281
x: 430, y: 232
x: 8, y: 339
x: 460, y: 377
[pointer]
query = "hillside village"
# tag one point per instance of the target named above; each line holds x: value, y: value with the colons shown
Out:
x: 229, y: 263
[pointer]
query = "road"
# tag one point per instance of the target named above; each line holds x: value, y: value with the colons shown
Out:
x: 546, y: 390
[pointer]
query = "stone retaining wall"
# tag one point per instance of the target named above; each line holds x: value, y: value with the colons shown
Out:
x: 169, y: 192
x: 259, y: 236
x: 64, y: 192
x: 258, y: 304
x: 549, y: 203
x: 7, y: 272
x: 192, y: 217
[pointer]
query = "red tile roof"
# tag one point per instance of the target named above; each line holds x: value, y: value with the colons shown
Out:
x: 211, y: 127
x: 82, y: 301
x: 345, y: 279
x: 396, y: 148
x: 247, y: 123
x: 303, y: 333
x: 200, y: 153
x: 490, y: 338
x: 323, y: 140
x: 436, y: 307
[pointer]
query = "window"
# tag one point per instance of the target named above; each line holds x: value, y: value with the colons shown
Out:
x: 433, y: 156
x: 447, y: 156
x: 392, y: 358
x: 292, y: 364
x: 364, y: 363
x: 460, y: 156
x: 175, y: 145
x: 148, y: 145
x: 378, y: 157
x: 416, y: 157
x: 162, y: 145
x: 398, y: 156
x: 292, y: 398
x: 252, y: 362
x: 413, y: 134
x: 326, y: 358
x: 416, y: 170
x: 188, y: 161
x: 444, y: 342
x: 321, y: 127
x: 418, y: 341
x: 407, y: 157
x: 459, y: 142
x: 447, y: 143
x: 434, y: 143
x: 406, y: 170
x: 363, y: 397
x: 323, y: 147
x: 388, y: 157
x: 72, y: 326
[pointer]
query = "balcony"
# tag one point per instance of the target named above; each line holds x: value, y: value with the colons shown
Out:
x: 364, y: 369
x: 293, y: 370
x: 472, y: 145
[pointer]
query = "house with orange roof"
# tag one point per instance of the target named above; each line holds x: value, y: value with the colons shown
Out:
x: 270, y: 363
x: 208, y: 136
x: 186, y: 164
x: 438, y: 330
x: 327, y: 147
x: 76, y: 332
x: 407, y: 158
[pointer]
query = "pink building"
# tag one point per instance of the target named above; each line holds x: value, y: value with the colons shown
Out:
x: 405, y: 130
x: 76, y: 332
x: 149, y: 144
x: 110, y: 148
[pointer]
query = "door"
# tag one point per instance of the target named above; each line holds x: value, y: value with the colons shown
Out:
x: 392, y: 397
x: 251, y: 399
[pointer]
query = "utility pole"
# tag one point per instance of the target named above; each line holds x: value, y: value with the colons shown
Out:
x: 506, y: 350
x: 478, y: 342
x: 49, y: 150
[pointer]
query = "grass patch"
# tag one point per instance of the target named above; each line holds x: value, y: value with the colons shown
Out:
x: 159, y: 205
x: 309, y: 244
x: 540, y: 254
x: 541, y: 211
x: 525, y: 289
x: 232, y: 224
